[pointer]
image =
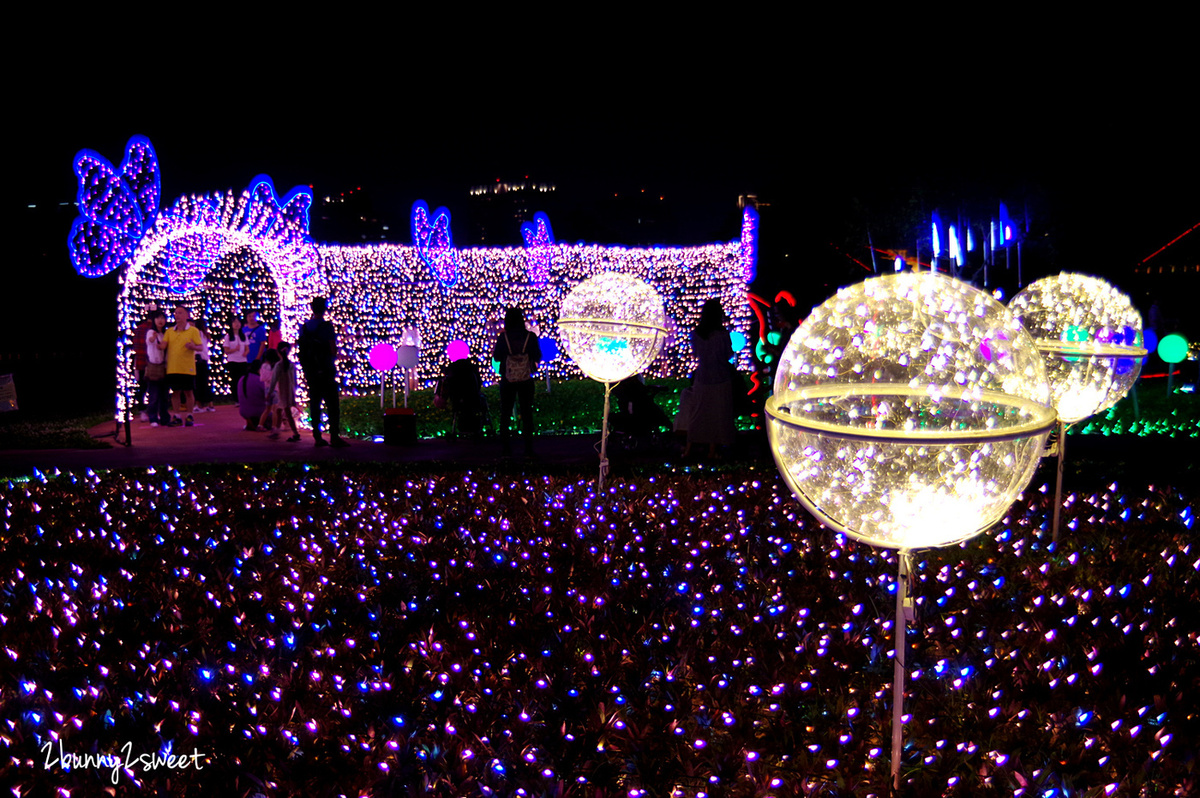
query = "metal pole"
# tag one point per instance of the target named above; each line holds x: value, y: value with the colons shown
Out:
x: 898, y: 676
x: 604, y: 437
x: 1062, y: 454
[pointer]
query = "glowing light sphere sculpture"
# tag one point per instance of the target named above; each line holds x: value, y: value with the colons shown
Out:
x: 909, y: 411
x: 613, y: 326
x: 1090, y: 337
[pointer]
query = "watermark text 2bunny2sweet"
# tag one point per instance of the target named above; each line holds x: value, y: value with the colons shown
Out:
x: 126, y: 760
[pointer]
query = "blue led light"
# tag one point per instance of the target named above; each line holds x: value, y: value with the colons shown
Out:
x: 434, y: 242
x: 116, y: 206
x: 539, y: 247
x: 749, y: 243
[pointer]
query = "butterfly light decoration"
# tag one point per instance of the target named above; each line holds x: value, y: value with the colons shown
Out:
x: 539, y: 244
x: 434, y: 242
x: 116, y: 206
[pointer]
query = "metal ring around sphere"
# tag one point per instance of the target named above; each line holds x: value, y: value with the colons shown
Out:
x: 642, y: 330
x: 1088, y: 349
x: 1044, y: 417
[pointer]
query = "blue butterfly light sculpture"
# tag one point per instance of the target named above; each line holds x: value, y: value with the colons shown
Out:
x: 434, y: 242
x: 116, y: 207
x: 539, y: 243
x: 119, y: 208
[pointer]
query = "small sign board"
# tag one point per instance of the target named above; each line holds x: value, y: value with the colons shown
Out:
x: 8, y: 393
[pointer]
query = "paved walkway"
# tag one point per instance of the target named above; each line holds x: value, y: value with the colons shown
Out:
x: 220, y: 437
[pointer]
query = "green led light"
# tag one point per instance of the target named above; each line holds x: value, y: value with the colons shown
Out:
x: 1173, y: 348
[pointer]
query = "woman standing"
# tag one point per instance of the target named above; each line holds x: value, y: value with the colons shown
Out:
x: 156, y: 370
x: 711, y: 418
x: 236, y: 346
x: 518, y: 353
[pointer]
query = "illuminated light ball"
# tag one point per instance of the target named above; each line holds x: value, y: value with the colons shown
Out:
x: 457, y: 350
x: 382, y: 357
x: 549, y: 349
x: 1090, y: 337
x: 612, y: 325
x: 1173, y: 348
x: 737, y: 340
x: 909, y: 411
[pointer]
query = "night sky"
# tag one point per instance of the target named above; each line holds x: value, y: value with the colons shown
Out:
x: 838, y: 137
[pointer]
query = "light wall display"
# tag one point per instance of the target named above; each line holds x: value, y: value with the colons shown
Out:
x: 227, y: 253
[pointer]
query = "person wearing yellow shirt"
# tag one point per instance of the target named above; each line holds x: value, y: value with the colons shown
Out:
x: 183, y: 342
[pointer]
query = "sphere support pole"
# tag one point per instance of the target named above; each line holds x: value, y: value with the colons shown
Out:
x: 899, y: 658
x: 1062, y: 455
x: 604, y: 437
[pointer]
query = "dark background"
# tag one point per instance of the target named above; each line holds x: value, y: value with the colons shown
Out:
x: 839, y: 133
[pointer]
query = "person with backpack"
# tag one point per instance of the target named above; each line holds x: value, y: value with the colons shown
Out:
x: 518, y: 353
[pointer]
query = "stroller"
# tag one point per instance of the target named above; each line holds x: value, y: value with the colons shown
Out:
x: 462, y: 389
x: 638, y: 423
